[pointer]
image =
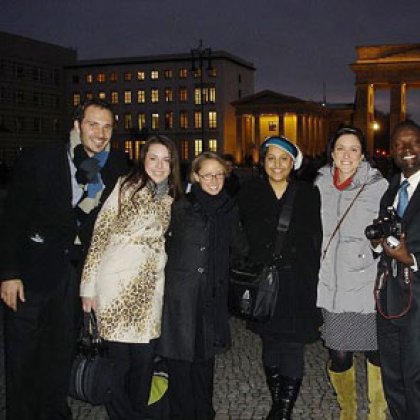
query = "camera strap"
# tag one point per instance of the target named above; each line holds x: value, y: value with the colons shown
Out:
x: 324, y: 252
x: 405, y: 278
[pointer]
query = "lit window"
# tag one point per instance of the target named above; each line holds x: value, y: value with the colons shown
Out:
x: 168, y: 74
x: 213, y: 145
x: 198, y: 146
x: 197, y: 119
x: 141, y: 96
x: 183, y: 73
x: 128, y: 148
x: 183, y: 94
x: 212, y: 95
x: 154, y: 74
x: 89, y: 95
x: 128, y: 123
x: 197, y: 73
x: 102, y: 95
x: 141, y: 75
x: 89, y: 78
x: 154, y: 96
x: 212, y: 119
x: 114, y: 97
x: 155, y: 121
x: 169, y: 120
x: 169, y: 95
x: 184, y: 149
x: 76, y: 99
x: 113, y: 77
x: 183, y: 119
x: 141, y: 120
x: 127, y: 97
x: 197, y: 96
x: 100, y: 77
x: 213, y: 72
x: 127, y: 76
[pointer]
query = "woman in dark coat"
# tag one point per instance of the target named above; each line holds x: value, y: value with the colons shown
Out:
x: 195, y: 316
x: 296, y: 319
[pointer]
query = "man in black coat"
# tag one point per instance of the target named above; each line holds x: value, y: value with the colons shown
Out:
x: 399, y: 339
x: 46, y: 227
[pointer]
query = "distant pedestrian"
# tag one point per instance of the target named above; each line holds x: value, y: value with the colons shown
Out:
x: 232, y: 182
x: 296, y: 319
x: 350, y: 193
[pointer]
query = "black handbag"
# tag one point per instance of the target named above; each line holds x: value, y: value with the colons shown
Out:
x: 91, y: 372
x: 253, y: 291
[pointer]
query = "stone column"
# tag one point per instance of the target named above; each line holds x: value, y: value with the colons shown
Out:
x: 364, y: 114
x: 397, y: 110
x: 281, y: 123
x: 240, y: 149
x: 300, y: 140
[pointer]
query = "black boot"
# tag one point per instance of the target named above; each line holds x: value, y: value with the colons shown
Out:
x: 273, y: 378
x: 284, y: 392
x: 289, y: 392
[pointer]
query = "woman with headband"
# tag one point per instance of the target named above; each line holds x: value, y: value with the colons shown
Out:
x: 296, y: 319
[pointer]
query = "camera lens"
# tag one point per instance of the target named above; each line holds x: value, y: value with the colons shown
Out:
x: 374, y: 231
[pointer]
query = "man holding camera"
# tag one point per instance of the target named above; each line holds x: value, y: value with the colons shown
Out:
x: 399, y: 304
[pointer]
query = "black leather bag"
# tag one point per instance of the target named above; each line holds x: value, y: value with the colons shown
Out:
x: 92, y: 372
x: 253, y: 291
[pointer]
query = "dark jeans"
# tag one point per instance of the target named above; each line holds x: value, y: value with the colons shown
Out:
x: 399, y: 349
x: 287, y: 357
x: 191, y: 389
x: 133, y: 376
x: 40, y: 342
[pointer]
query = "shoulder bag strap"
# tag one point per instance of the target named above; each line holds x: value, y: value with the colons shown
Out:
x: 284, y: 219
x: 324, y: 253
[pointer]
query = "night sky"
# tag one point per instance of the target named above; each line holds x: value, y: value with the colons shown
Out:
x: 294, y: 44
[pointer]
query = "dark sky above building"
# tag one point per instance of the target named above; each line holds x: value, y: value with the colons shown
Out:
x: 294, y: 44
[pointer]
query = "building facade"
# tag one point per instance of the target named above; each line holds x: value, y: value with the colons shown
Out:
x: 186, y: 98
x: 32, y: 99
x: 306, y: 123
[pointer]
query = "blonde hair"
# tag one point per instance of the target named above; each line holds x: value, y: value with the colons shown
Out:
x: 197, y: 163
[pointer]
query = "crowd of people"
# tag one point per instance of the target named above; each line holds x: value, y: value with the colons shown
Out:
x: 82, y: 231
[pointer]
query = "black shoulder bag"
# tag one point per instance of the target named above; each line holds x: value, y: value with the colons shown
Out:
x: 253, y: 293
x: 91, y: 374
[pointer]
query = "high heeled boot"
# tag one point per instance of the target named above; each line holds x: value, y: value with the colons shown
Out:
x: 344, y: 384
x: 377, y: 402
x: 284, y: 392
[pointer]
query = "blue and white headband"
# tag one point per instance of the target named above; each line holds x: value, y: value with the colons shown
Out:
x: 285, y: 144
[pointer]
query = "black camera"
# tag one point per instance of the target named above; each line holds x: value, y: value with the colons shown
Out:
x: 388, y: 225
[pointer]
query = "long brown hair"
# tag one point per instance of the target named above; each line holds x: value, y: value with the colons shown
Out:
x: 139, y: 177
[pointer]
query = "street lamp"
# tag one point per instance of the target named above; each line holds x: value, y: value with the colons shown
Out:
x: 198, y: 56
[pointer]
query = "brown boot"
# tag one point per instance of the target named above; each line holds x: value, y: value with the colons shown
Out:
x: 344, y: 384
x: 377, y: 402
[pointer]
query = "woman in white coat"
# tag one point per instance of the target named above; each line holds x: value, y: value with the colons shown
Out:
x: 350, y: 194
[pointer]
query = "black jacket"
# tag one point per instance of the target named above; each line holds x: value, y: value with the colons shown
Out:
x: 296, y: 317
x: 195, y: 316
x: 411, y: 222
x: 38, y: 224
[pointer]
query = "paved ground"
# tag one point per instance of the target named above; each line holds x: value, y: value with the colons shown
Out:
x: 240, y: 390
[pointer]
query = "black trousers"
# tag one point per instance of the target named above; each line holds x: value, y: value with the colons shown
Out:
x: 191, y: 389
x: 133, y: 376
x: 287, y: 357
x: 40, y: 342
x: 399, y: 349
